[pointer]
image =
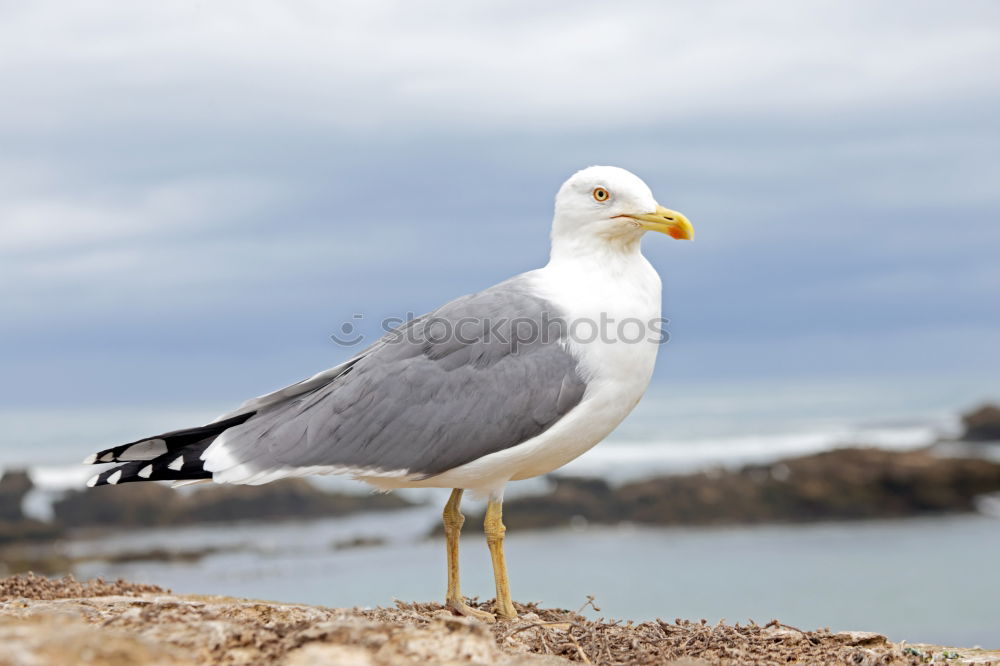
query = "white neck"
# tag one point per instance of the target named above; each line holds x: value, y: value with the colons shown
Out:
x: 597, y: 284
x: 604, y: 250
x: 590, y: 273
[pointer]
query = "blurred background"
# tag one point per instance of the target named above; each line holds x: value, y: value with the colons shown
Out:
x: 194, y: 196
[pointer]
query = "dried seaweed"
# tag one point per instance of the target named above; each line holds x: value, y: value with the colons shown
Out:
x: 610, y: 642
x: 32, y: 586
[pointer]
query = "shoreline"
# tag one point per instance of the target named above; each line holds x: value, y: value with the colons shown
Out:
x: 121, y: 622
x: 833, y: 486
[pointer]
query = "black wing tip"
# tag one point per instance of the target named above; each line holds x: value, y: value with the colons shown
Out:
x: 150, y: 448
x: 161, y: 469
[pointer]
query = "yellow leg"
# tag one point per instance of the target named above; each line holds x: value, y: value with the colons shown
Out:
x: 494, y: 528
x: 453, y: 521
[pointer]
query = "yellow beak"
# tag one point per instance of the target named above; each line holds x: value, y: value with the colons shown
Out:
x: 666, y: 221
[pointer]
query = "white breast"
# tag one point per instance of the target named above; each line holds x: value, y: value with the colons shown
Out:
x: 617, y: 368
x: 620, y: 303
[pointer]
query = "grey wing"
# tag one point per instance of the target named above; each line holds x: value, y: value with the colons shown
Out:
x: 481, y: 374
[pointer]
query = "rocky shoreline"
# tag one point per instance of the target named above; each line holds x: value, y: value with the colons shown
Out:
x: 844, y: 484
x: 114, y: 623
x: 158, y: 505
x: 125, y: 623
x: 854, y: 483
x: 27, y: 544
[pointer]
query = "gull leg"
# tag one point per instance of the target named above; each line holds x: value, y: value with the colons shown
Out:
x: 453, y: 521
x: 494, y: 528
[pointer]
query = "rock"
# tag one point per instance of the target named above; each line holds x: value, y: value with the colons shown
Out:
x: 982, y: 424
x: 866, y: 638
x: 331, y: 655
x: 29, y: 642
x: 123, y: 624
x: 154, y: 627
x: 30, y: 586
x: 14, y: 485
x: 845, y: 484
x: 27, y: 531
x: 128, y: 505
x: 151, y: 504
x: 571, y: 501
x: 835, y: 485
x: 289, y: 498
x: 15, y: 527
x: 787, y: 635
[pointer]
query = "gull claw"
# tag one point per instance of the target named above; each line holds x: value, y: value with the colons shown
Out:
x: 465, y: 609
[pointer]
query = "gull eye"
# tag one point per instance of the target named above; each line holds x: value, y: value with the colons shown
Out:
x: 601, y: 194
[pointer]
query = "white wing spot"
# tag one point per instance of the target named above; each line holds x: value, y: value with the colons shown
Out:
x: 92, y: 481
x: 146, y: 471
x: 176, y: 464
x: 115, y: 478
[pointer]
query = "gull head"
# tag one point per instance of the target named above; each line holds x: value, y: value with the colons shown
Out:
x: 605, y: 206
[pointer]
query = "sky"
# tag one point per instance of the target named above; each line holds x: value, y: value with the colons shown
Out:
x: 195, y: 195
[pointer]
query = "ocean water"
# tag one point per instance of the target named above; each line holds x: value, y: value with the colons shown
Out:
x: 676, y: 428
x: 927, y: 580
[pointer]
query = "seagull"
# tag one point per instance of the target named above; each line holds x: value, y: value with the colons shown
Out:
x: 508, y: 383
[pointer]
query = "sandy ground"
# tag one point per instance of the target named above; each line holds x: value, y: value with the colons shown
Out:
x: 63, y: 621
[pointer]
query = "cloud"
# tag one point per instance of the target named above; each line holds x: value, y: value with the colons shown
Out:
x: 188, y: 183
x: 394, y: 66
x: 50, y: 221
